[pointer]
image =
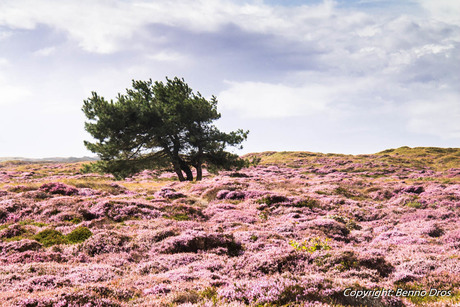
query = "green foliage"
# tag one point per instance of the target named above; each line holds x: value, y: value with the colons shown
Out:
x: 349, y: 223
x: 78, y: 235
x: 311, y: 246
x: 307, y: 203
x: 264, y: 215
x: 76, y: 220
x: 271, y: 199
x: 31, y: 222
x: 414, y: 204
x: 158, y: 125
x: 189, y: 296
x: 49, y: 237
x: 180, y: 217
x: 210, y: 293
x: 4, y: 226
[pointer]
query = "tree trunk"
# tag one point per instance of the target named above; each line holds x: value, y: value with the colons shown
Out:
x: 178, y: 171
x: 199, y: 172
x: 199, y: 164
x: 187, y: 171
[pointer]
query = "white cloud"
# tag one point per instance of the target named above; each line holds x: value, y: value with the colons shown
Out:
x: 262, y: 100
x: 45, y: 51
x: 5, y: 34
x: 3, y: 62
x: 440, y: 117
x: 443, y: 10
x: 12, y: 93
x: 307, y: 62
x: 167, y: 56
x: 103, y: 27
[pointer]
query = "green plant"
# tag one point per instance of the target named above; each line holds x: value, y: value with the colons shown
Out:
x: 210, y: 293
x: 414, y: 204
x: 263, y: 215
x: 307, y: 203
x: 6, y: 225
x: 31, y: 222
x: 189, y: 296
x: 312, y: 245
x: 180, y: 217
x: 272, y: 199
x: 76, y: 220
x: 158, y: 125
x: 49, y: 237
x: 78, y: 235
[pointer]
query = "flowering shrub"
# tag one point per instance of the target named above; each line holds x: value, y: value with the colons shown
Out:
x: 193, y: 241
x: 58, y: 188
x: 105, y: 242
x: 311, y: 245
x: 275, y: 291
x: 371, y: 222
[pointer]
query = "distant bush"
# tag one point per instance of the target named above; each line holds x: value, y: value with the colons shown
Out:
x: 272, y: 199
x: 194, y: 241
x: 49, y: 237
x: 58, y: 188
x: 414, y: 204
x: 78, y: 235
x: 106, y: 242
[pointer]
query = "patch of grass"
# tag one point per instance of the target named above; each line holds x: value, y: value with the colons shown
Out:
x: 264, y: 215
x: 78, y: 235
x: 50, y: 237
x: 15, y: 238
x: 180, y: 217
x: 307, y: 203
x: 272, y: 199
x: 3, y: 226
x: 210, y: 293
x: 95, y: 183
x: 24, y: 187
x: 350, y: 224
x: 181, y: 212
x: 183, y: 297
x: 76, y: 220
x: 31, y: 222
x: 414, y: 204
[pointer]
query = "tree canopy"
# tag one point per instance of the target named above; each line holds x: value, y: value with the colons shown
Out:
x: 156, y: 125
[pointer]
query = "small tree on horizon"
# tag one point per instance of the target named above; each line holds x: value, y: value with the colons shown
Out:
x: 157, y: 125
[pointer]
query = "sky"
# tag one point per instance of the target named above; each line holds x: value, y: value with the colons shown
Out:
x: 343, y: 76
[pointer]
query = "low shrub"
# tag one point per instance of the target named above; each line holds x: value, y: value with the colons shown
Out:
x: 58, y: 188
x: 49, y: 237
x: 78, y: 235
x: 272, y: 199
x: 312, y: 245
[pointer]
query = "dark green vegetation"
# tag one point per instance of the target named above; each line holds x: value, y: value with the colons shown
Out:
x: 50, y: 237
x: 157, y: 125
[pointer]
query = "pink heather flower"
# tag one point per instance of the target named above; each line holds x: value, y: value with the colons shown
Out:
x: 58, y: 188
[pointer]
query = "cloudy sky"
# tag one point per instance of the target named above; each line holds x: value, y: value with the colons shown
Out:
x: 344, y: 76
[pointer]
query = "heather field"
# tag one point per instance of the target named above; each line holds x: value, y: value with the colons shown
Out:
x: 296, y: 229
